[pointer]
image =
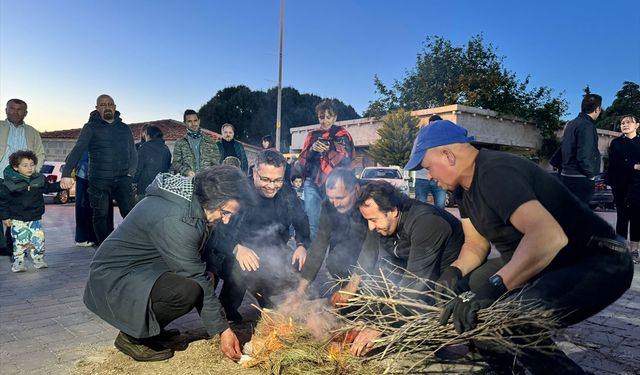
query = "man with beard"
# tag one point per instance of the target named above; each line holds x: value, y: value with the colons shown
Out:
x: 195, y: 150
x: 228, y: 146
x: 341, y: 232
x: 253, y: 254
x: 417, y: 237
x: 149, y: 272
x: 112, y: 163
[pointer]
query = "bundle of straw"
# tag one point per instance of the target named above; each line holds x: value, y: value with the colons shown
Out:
x: 411, y: 330
x: 282, y: 346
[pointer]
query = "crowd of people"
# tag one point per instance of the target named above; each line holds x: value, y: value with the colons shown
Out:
x: 203, y: 215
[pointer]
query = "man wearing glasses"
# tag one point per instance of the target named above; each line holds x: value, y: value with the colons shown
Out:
x: 253, y: 254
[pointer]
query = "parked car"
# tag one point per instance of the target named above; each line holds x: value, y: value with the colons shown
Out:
x: 392, y: 175
x: 53, y: 172
x: 602, y: 196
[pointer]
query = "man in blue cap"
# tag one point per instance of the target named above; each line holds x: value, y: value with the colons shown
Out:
x: 553, y: 249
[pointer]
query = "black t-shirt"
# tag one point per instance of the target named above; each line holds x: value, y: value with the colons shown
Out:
x: 503, y: 182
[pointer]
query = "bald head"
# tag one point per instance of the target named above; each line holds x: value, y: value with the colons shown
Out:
x: 451, y: 165
x: 106, y: 107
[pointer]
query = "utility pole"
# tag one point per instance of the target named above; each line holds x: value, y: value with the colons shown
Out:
x: 279, y: 111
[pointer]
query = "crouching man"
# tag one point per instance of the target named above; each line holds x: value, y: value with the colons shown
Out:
x: 417, y: 237
x: 551, y: 245
x: 148, y: 272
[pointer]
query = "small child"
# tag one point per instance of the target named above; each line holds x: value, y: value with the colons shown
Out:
x: 22, y: 206
x: 296, y: 183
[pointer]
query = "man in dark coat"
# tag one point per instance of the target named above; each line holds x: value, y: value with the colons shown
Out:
x: 149, y: 272
x: 112, y: 163
x: 580, y: 154
x: 153, y: 157
x: 255, y: 255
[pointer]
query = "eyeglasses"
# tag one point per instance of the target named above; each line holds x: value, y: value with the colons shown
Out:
x: 266, y: 181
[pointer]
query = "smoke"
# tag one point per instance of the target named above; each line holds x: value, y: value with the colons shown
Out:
x: 312, y: 315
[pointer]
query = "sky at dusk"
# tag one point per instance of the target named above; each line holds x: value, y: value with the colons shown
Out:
x: 157, y: 58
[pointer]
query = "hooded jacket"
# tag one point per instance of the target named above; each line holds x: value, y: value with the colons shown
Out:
x: 165, y: 232
x: 112, y: 153
x: 21, y: 196
x: 153, y: 157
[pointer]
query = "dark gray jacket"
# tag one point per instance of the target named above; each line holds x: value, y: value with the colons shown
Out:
x: 580, y: 154
x: 153, y: 157
x: 165, y: 232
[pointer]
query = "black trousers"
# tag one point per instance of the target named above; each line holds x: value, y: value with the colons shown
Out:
x: 101, y: 191
x: 581, y: 187
x: 84, y: 213
x: 575, y: 291
x: 172, y: 296
x: 628, y: 214
x: 276, y: 275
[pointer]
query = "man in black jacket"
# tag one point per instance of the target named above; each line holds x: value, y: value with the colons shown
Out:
x: 580, y: 154
x: 417, y: 237
x: 112, y: 163
x: 341, y: 232
x: 253, y: 254
x: 153, y: 157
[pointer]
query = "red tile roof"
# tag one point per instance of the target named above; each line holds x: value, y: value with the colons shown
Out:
x: 172, y: 130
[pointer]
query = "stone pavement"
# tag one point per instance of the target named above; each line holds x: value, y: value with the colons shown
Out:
x: 45, y: 328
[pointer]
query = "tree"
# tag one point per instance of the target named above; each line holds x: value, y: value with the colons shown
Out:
x: 397, y: 134
x: 627, y: 102
x: 253, y: 113
x: 472, y: 75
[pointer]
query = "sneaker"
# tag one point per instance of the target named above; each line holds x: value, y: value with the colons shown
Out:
x: 39, y: 263
x: 18, y: 266
x: 142, y: 352
x: 85, y: 244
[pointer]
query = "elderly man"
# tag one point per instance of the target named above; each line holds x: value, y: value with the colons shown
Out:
x: 552, y: 246
x: 228, y: 146
x: 254, y: 254
x: 112, y: 163
x: 149, y: 272
x: 16, y: 135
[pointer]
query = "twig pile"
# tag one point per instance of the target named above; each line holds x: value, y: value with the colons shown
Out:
x: 282, y: 346
x: 411, y: 340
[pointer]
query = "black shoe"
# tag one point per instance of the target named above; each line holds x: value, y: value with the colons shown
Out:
x: 142, y: 352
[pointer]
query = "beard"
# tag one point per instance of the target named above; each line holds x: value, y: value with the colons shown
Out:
x: 108, y: 115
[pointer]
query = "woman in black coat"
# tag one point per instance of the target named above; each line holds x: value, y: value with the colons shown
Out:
x: 623, y: 175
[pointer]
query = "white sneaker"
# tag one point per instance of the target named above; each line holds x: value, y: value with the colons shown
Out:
x: 18, y: 266
x: 85, y: 244
x: 39, y: 263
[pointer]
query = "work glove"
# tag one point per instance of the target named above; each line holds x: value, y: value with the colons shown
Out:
x: 448, y: 280
x: 464, y: 308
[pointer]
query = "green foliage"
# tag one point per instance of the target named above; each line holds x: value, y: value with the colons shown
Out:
x: 473, y: 75
x: 253, y: 113
x: 627, y: 102
x: 397, y: 134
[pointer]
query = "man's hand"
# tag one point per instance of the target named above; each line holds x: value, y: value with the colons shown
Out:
x: 7, y: 222
x: 66, y: 183
x: 191, y: 174
x: 319, y: 146
x: 448, y: 281
x: 229, y: 344
x: 364, y: 341
x: 248, y: 259
x: 636, y: 167
x: 464, y: 308
x: 299, y: 255
x: 339, y: 299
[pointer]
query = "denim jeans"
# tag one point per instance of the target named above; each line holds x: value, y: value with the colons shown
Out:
x: 424, y: 187
x: 312, y: 204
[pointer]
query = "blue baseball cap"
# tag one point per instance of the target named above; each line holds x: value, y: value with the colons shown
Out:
x: 439, y: 133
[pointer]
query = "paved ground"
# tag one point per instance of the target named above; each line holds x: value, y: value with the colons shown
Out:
x: 45, y: 328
